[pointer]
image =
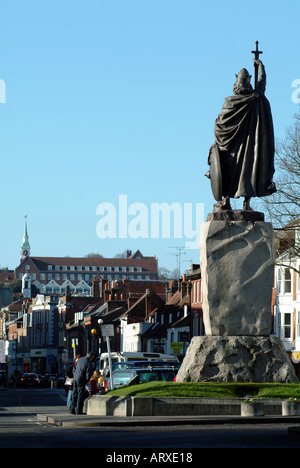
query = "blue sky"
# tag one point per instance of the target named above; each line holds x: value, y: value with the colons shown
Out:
x: 119, y: 97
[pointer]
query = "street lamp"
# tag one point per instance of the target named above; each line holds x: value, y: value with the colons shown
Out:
x: 107, y: 331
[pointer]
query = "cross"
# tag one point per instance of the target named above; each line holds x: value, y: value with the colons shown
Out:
x: 256, y: 53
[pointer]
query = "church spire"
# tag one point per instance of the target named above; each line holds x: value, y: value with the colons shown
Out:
x: 25, y: 247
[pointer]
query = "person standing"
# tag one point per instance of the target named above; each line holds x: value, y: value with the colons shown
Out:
x: 69, y: 380
x: 82, y: 374
x: 93, y: 385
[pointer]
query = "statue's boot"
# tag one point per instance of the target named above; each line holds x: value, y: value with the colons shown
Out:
x: 246, y: 204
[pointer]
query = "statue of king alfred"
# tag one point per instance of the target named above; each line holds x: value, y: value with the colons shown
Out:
x: 242, y: 158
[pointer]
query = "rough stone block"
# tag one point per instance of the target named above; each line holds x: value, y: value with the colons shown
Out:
x: 236, y: 359
x: 237, y: 266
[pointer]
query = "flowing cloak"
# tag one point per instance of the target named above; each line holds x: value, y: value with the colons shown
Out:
x: 245, y: 138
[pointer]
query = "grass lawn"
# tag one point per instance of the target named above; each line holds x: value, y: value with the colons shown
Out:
x: 209, y: 390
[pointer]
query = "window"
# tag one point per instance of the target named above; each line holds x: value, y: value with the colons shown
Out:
x: 49, y: 276
x: 279, y: 281
x: 86, y: 277
x: 79, y: 277
x: 65, y: 267
x: 57, y: 276
x: 298, y: 324
x: 87, y: 268
x: 287, y: 326
x: 42, y: 276
x: 284, y: 281
x: 57, y: 267
x: 49, y: 267
x: 287, y: 281
x: 72, y: 277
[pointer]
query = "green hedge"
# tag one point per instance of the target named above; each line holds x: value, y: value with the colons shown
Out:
x: 210, y: 390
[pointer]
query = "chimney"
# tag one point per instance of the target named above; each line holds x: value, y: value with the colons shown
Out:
x: 183, y: 286
x: 96, y: 287
x: 67, y: 292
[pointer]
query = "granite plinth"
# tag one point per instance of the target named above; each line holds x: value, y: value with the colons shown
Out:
x: 237, y: 260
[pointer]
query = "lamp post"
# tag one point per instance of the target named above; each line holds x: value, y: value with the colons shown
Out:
x: 107, y: 331
x: 93, y: 333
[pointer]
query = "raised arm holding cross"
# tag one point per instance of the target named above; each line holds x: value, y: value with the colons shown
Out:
x: 256, y: 53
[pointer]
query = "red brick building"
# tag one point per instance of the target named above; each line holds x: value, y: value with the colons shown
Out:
x: 52, y: 275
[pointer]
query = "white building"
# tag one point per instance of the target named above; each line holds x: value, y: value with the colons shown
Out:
x: 287, y: 309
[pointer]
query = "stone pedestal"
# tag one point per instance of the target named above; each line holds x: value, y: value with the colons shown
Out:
x: 236, y: 359
x: 290, y: 408
x: 237, y: 258
x: 252, y: 409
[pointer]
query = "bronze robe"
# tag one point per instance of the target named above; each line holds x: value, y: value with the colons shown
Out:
x: 245, y: 138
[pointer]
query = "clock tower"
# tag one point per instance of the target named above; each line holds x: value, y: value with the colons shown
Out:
x: 25, y: 247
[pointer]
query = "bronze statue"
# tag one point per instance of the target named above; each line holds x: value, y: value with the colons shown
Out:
x: 242, y: 158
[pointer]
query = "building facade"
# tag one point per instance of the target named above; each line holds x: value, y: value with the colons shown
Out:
x: 51, y: 275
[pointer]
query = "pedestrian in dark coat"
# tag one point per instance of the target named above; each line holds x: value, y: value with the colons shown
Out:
x: 82, y: 374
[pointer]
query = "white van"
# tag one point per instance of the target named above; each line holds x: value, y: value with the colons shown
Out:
x: 128, y: 356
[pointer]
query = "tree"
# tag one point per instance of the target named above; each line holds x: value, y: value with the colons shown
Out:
x: 165, y: 274
x: 283, y: 207
x: 16, y: 286
x: 93, y: 255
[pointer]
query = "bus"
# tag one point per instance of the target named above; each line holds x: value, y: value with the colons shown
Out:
x: 102, y: 362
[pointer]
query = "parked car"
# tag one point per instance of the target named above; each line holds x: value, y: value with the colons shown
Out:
x: 140, y: 375
x: 42, y: 380
x: 29, y: 380
x: 49, y: 378
x: 60, y: 381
